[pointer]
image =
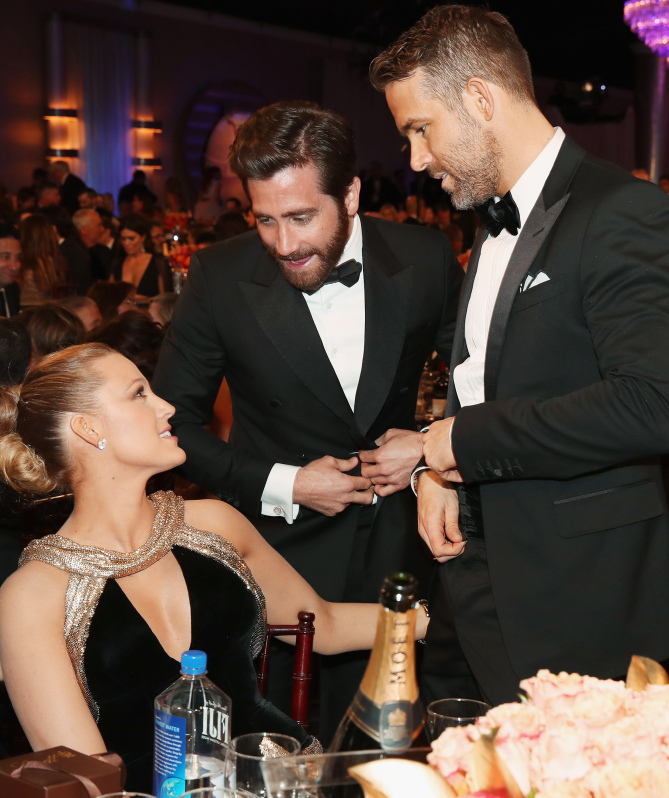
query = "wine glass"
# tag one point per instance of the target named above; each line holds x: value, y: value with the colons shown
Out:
x: 248, y: 751
x: 453, y: 712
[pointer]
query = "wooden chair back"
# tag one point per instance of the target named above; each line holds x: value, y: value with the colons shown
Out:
x: 304, y: 644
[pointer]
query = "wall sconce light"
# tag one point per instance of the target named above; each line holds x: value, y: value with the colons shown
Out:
x: 62, y: 132
x: 143, y: 149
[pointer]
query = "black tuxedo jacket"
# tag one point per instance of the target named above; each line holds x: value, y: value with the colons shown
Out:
x: 12, y: 296
x: 566, y: 445
x: 70, y: 189
x: 238, y: 317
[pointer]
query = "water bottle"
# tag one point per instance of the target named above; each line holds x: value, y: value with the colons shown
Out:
x: 191, y: 728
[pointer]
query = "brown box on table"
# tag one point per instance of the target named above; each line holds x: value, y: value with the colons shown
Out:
x: 56, y: 777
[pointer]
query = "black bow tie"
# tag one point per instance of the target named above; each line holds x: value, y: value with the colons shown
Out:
x: 348, y: 274
x: 500, y: 215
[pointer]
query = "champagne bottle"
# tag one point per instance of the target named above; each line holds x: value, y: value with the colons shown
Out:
x: 386, y: 712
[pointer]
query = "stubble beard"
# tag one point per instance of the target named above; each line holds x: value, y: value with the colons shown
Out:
x: 476, y: 158
x: 325, y: 261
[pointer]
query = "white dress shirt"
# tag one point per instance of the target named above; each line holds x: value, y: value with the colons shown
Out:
x: 495, y: 255
x: 338, y: 312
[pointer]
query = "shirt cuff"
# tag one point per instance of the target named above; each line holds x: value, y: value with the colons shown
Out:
x: 277, y: 498
x: 414, y: 478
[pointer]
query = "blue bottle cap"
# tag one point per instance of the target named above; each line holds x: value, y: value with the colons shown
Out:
x: 193, y: 663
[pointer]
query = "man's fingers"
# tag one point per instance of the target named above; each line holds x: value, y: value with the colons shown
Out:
x: 360, y: 483
x: 345, y: 465
x: 455, y: 550
x: 371, y: 470
x: 362, y: 496
x: 367, y: 455
x: 386, y: 490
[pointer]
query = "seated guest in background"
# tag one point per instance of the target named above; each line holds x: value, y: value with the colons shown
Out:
x: 412, y: 210
x: 175, y: 196
x: 140, y: 267
x: 389, y: 211
x: 39, y: 177
x: 136, y: 336
x: 51, y: 327
x: 48, y: 193
x: 233, y: 205
x: 230, y: 224
x: 112, y: 299
x: 26, y: 199
x: 10, y: 269
x: 85, y: 308
x: 89, y: 198
x: 160, y: 578
x: 209, y: 206
x: 70, y: 185
x: 136, y: 187
x: 107, y: 249
x: 14, y: 360
x: 161, y: 308
x: 205, y: 239
x: 43, y: 266
x: 157, y: 229
x: 72, y: 248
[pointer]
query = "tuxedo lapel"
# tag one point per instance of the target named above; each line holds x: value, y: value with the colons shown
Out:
x: 387, y: 292
x: 458, y: 353
x: 545, y: 213
x: 284, y: 316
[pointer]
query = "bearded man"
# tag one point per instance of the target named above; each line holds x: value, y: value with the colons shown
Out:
x: 321, y: 322
x: 559, y: 402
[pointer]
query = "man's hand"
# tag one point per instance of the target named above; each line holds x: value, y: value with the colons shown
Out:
x: 438, y: 452
x: 324, y: 486
x: 389, y: 467
x: 438, y: 517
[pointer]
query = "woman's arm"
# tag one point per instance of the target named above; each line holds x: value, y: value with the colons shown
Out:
x: 36, y: 666
x: 339, y: 627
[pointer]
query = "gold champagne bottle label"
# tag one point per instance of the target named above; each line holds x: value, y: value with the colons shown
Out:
x: 387, y: 706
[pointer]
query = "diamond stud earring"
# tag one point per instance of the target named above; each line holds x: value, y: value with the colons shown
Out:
x: 102, y: 443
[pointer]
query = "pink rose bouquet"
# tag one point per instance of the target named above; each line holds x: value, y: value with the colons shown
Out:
x: 571, y: 737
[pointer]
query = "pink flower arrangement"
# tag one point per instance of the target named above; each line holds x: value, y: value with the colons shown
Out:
x: 572, y: 737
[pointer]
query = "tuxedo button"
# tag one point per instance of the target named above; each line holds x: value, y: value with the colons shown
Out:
x: 274, y: 403
x: 278, y: 511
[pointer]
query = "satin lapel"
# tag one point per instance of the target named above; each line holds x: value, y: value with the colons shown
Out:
x: 532, y: 236
x: 387, y: 292
x: 284, y: 316
x: 458, y: 351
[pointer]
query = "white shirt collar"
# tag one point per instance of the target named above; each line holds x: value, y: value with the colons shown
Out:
x: 353, y: 248
x: 530, y: 184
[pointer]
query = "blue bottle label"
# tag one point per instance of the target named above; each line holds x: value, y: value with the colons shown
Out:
x: 169, y: 755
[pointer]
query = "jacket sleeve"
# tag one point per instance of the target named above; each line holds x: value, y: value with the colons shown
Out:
x: 189, y: 373
x: 624, y: 273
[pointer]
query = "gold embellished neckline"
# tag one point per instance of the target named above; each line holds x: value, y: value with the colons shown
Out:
x: 138, y: 552
x: 90, y: 568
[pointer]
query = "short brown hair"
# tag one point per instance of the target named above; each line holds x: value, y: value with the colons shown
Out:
x: 452, y: 44
x: 296, y: 133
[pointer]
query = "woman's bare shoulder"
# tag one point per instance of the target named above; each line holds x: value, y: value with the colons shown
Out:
x: 220, y: 518
x: 36, y: 586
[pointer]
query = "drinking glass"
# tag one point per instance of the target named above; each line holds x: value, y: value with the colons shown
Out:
x: 326, y: 775
x: 126, y: 794
x: 217, y: 792
x: 245, y: 757
x: 453, y: 712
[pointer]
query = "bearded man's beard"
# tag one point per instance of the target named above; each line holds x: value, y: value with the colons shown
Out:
x: 473, y: 165
x: 312, y: 277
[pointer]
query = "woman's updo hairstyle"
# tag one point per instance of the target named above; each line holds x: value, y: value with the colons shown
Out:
x: 33, y: 454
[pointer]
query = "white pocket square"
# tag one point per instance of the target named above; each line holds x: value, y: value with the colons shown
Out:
x: 533, y: 279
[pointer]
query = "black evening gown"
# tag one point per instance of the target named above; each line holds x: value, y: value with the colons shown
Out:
x: 126, y: 667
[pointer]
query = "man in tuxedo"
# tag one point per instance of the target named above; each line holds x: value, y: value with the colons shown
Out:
x: 70, y: 185
x: 10, y: 268
x: 323, y: 357
x: 559, y: 401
